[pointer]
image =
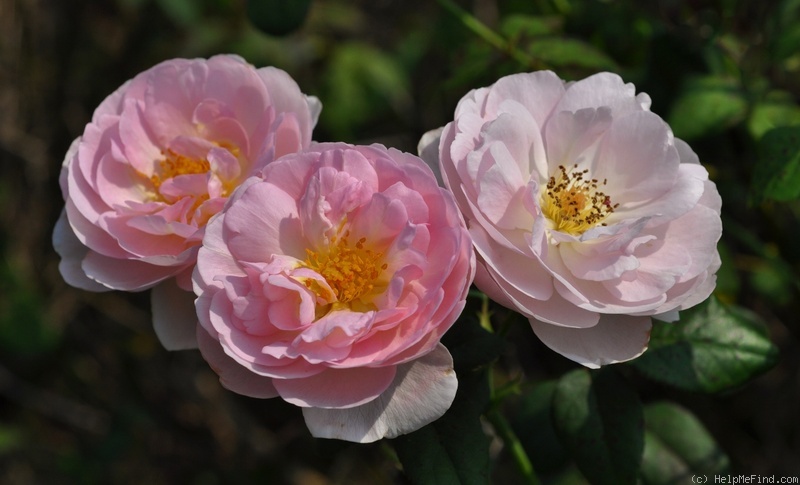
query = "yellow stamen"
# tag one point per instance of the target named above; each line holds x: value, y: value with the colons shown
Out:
x: 175, y: 164
x: 573, y: 203
x: 351, y: 271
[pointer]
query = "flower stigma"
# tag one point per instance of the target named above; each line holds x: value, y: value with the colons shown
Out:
x: 351, y: 270
x: 573, y: 202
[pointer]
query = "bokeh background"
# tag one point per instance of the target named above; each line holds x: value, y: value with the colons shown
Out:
x: 87, y: 395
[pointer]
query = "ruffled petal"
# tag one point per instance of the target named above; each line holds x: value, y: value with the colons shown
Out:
x: 233, y: 376
x: 337, y: 388
x: 72, y: 253
x: 126, y: 274
x: 570, y: 135
x: 603, y: 89
x: 523, y: 272
x: 264, y: 223
x: 538, y: 91
x: 421, y: 392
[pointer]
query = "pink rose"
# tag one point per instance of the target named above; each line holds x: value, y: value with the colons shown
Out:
x: 330, y: 282
x: 159, y: 158
x: 588, y: 216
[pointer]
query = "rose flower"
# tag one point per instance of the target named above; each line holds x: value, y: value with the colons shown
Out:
x: 329, y: 282
x: 159, y: 158
x: 588, y: 216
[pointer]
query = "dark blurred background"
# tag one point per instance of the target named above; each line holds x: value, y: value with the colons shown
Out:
x: 87, y: 395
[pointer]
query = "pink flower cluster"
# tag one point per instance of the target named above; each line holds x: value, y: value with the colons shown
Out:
x: 326, y: 274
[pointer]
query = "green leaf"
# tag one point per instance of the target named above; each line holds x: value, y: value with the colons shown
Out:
x: 362, y: 82
x: 452, y: 449
x: 599, y: 419
x: 182, y: 12
x: 707, y: 105
x: 562, y: 52
x: 712, y: 348
x: 278, y: 17
x: 778, y: 109
x: 784, y: 41
x: 516, y: 26
x: 787, y: 43
x: 777, y: 174
x: 677, y: 447
x: 533, y: 425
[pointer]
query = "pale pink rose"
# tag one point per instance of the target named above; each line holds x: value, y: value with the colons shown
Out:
x: 330, y: 282
x: 159, y: 158
x: 588, y: 216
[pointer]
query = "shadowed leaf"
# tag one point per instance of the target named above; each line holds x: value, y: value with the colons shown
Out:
x: 777, y: 174
x: 711, y: 348
x: 599, y: 419
x: 678, y: 447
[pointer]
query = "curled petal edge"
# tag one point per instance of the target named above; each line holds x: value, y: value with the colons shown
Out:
x: 232, y: 375
x: 421, y: 393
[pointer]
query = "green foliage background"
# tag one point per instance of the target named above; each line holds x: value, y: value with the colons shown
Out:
x: 88, y: 396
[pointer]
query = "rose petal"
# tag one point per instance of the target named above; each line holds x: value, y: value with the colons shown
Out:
x: 603, y: 89
x: 428, y: 150
x: 174, y: 317
x: 233, y: 376
x: 421, y: 393
x: 125, y: 274
x: 637, y: 158
x: 72, y: 253
x: 539, y: 92
x: 336, y: 388
x: 615, y: 338
x: 274, y: 227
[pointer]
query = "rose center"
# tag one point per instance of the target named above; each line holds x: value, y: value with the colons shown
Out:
x: 573, y: 203
x: 175, y: 164
x: 351, y: 270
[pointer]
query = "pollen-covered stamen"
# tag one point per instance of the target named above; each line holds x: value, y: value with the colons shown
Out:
x: 350, y: 271
x: 574, y: 203
x: 175, y: 164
